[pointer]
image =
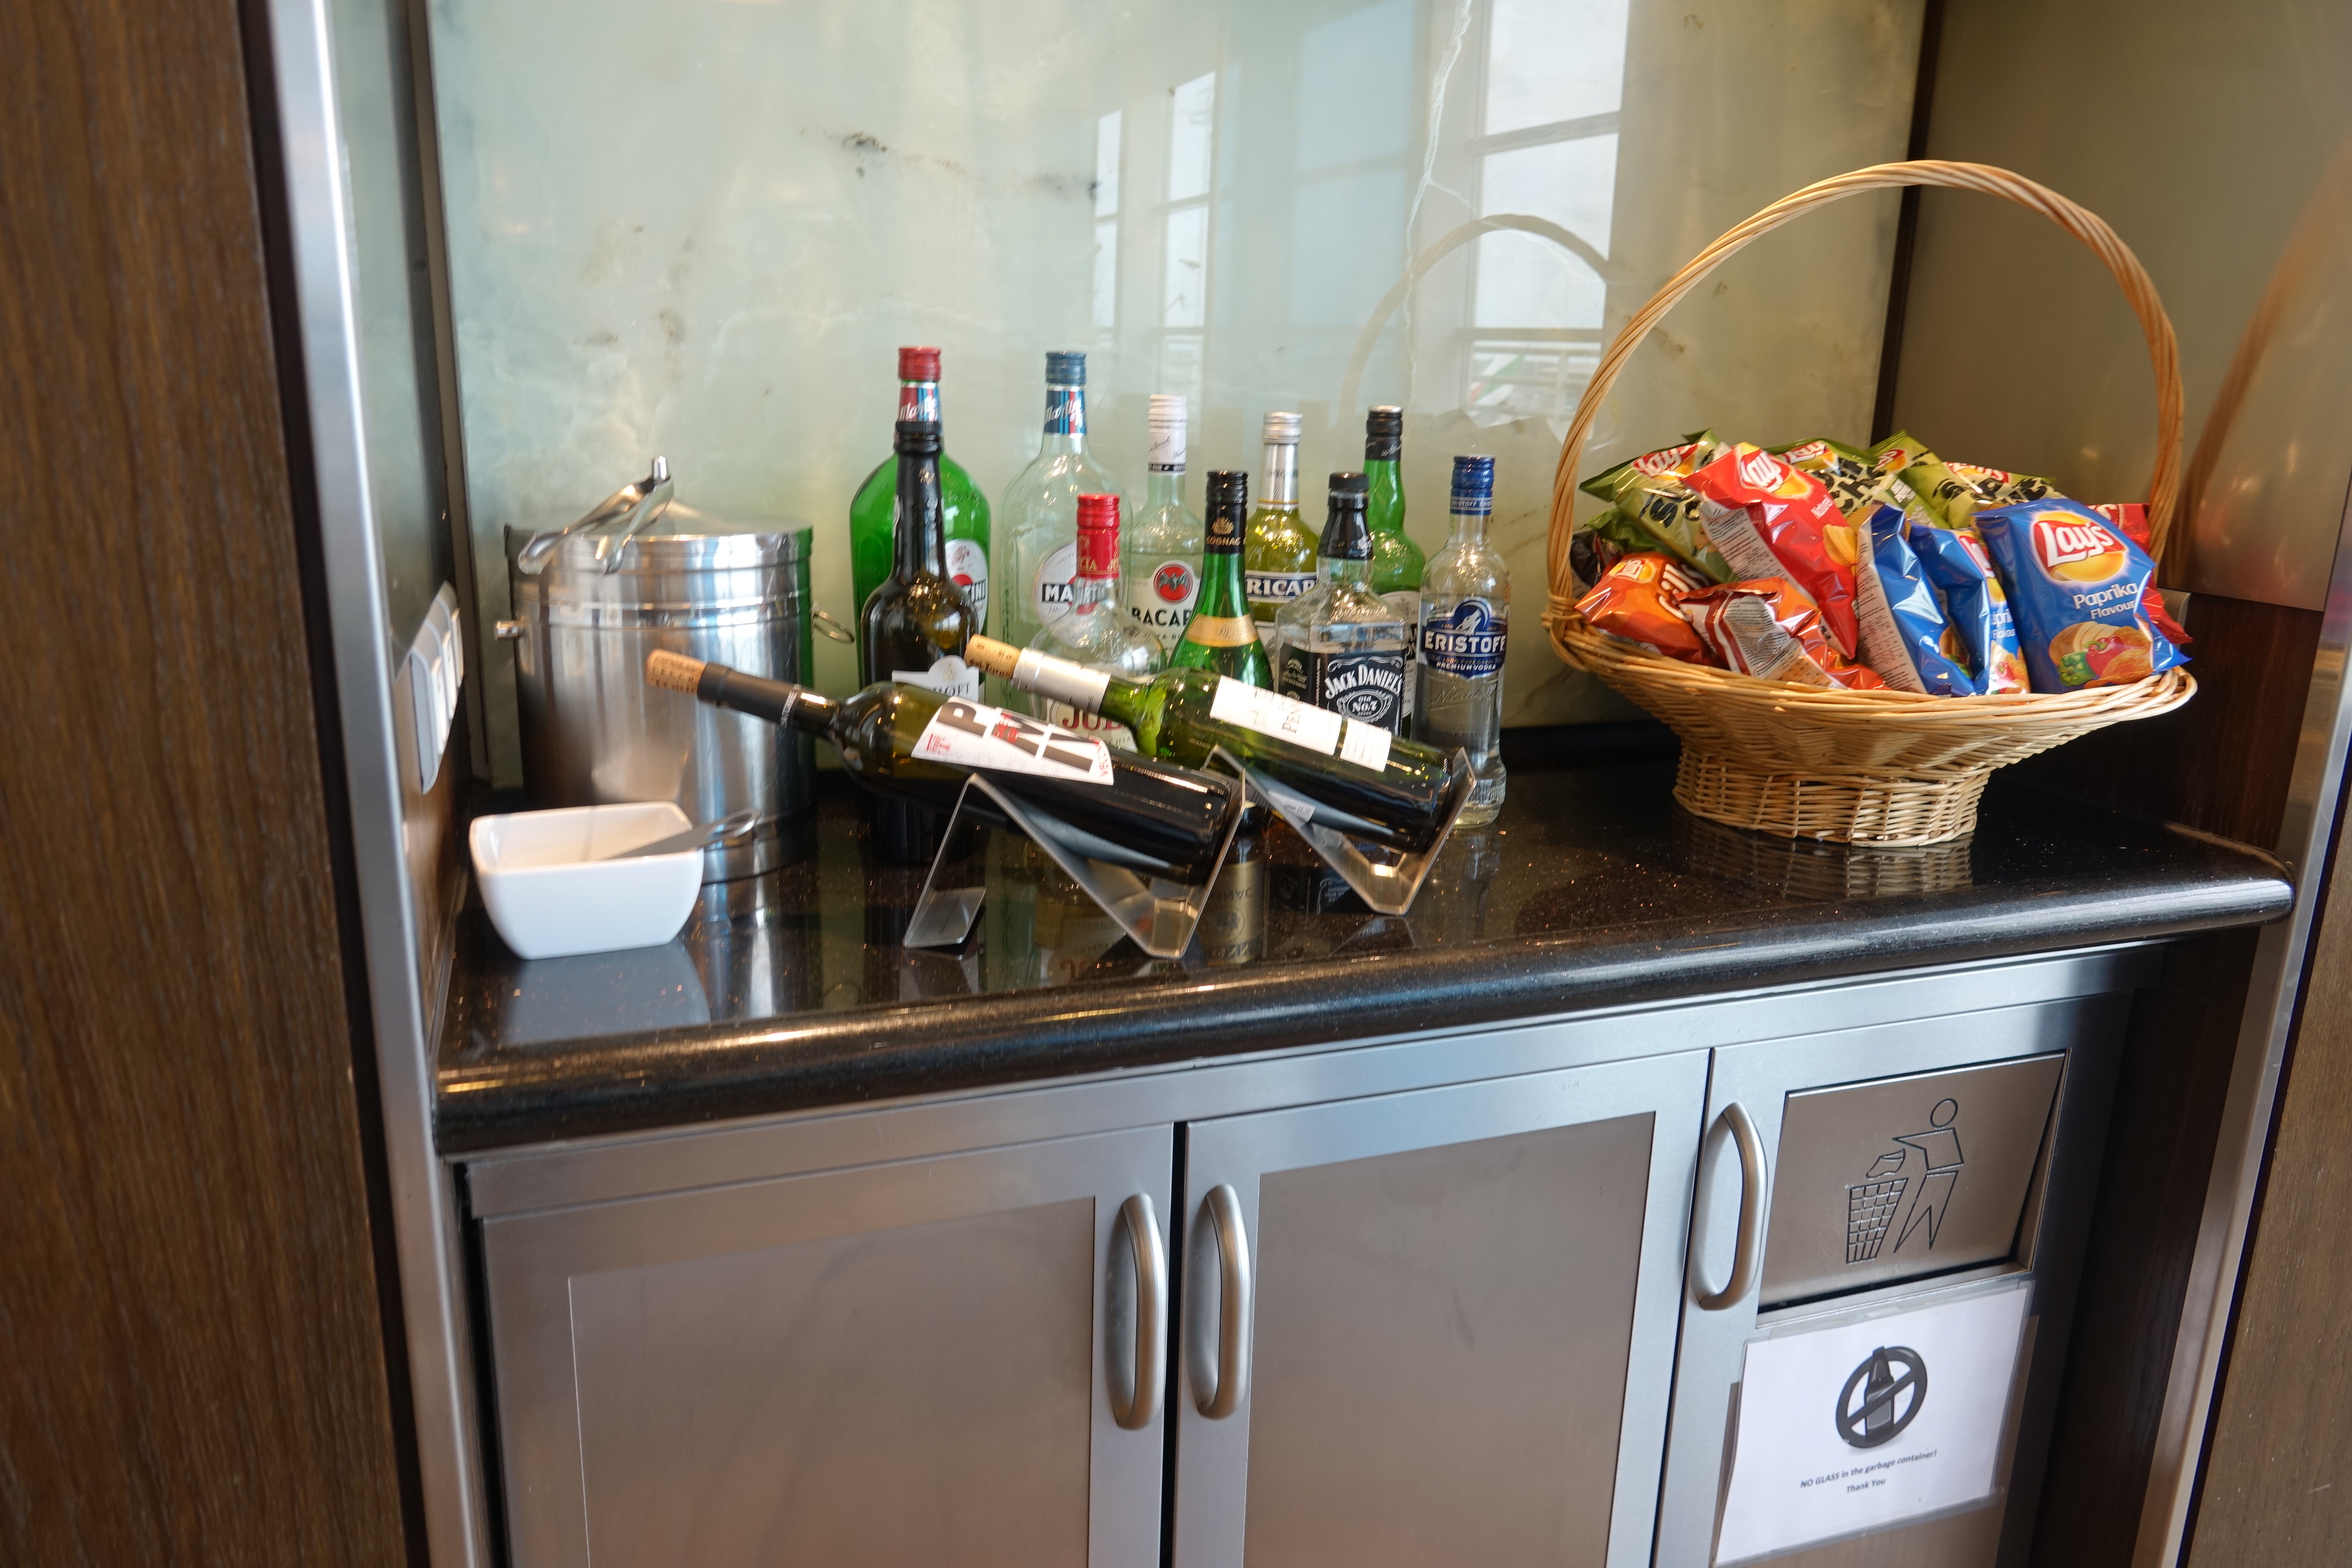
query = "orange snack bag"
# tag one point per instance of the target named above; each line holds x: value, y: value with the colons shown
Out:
x: 1770, y: 519
x: 1770, y: 627
x: 1640, y: 599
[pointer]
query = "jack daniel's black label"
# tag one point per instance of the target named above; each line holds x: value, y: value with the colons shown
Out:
x: 1366, y: 686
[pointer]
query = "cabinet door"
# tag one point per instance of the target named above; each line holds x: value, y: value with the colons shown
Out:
x: 1436, y: 1326
x: 1899, y: 1164
x: 909, y: 1363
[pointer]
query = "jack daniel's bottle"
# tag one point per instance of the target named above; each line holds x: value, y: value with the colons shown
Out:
x: 915, y: 746
x: 1342, y: 647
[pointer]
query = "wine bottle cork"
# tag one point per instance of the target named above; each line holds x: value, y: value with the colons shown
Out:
x: 991, y: 657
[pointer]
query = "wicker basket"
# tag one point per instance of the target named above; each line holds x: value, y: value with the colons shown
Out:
x: 1858, y: 767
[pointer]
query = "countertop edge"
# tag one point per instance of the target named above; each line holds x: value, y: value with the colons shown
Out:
x: 611, y: 1087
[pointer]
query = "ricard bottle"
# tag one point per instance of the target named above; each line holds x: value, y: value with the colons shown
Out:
x: 1342, y: 648
x: 1091, y: 632
x: 1221, y: 637
x: 1397, y: 561
x: 872, y: 515
x: 1278, y: 556
x: 1466, y: 608
x: 1159, y: 557
x: 1039, y: 515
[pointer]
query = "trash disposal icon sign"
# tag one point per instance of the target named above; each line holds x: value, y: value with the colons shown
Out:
x: 1883, y: 1396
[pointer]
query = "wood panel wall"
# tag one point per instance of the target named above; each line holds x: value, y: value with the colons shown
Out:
x: 193, y: 1365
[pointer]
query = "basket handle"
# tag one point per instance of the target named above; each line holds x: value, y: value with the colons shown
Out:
x: 2163, y: 352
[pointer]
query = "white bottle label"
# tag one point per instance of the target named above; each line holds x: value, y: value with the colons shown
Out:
x: 968, y: 568
x: 975, y: 735
x: 1160, y: 596
x: 1050, y: 589
x: 1271, y: 713
x: 951, y: 676
x: 1078, y: 721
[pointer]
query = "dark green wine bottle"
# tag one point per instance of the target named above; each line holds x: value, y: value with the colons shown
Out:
x: 1359, y: 777
x: 1221, y: 637
x: 917, y: 746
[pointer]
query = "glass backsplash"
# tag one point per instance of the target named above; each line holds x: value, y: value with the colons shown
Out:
x: 702, y: 228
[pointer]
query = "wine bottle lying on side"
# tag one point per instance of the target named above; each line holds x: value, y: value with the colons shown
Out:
x: 919, y: 746
x: 1361, y: 779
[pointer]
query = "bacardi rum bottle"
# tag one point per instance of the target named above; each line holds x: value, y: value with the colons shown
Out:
x: 1159, y: 554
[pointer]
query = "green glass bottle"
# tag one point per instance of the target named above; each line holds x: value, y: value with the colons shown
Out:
x: 1359, y: 777
x: 872, y: 515
x: 1221, y: 637
x: 1278, y: 556
x: 1397, y: 562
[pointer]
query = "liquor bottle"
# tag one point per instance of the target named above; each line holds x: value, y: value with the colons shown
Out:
x: 1092, y: 631
x: 915, y: 624
x: 871, y: 514
x: 1040, y: 511
x: 1362, y: 779
x: 1466, y: 608
x: 1397, y: 561
x: 1221, y: 637
x: 915, y: 745
x: 1342, y: 647
x: 1279, y: 556
x: 1161, y: 554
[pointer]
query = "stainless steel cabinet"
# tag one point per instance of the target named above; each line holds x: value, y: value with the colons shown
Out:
x: 1878, y: 1170
x: 1410, y: 1322
x: 952, y: 1359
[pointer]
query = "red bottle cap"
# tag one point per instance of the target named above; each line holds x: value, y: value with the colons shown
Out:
x: 918, y: 365
x: 1097, y: 536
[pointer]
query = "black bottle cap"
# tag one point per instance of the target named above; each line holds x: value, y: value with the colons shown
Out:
x: 1345, y: 537
x: 1229, y: 487
x: 917, y: 437
x: 1384, y: 434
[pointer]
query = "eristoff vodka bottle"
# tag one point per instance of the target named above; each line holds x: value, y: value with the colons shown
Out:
x: 1037, y: 522
x: 1278, y: 554
x: 1466, y: 607
x: 1342, y: 647
x: 1092, y: 633
x: 1159, y: 556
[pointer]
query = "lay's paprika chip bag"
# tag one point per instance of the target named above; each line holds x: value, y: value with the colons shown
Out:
x: 1770, y: 519
x: 2076, y: 585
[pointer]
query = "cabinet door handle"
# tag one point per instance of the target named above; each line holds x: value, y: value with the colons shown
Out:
x: 1748, y: 1247
x: 1221, y: 1370
x: 1135, y: 1406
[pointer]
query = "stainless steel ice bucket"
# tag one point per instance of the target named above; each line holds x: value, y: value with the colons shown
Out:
x: 593, y: 731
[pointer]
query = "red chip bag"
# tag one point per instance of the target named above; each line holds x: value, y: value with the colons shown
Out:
x: 1640, y: 599
x: 2131, y: 517
x: 1770, y: 519
x: 1770, y: 628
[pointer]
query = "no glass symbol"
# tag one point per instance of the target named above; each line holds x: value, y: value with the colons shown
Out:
x: 1870, y: 1408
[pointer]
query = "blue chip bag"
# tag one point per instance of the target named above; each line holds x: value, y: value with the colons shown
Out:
x: 2076, y: 584
x: 1904, y: 636
x: 1956, y: 561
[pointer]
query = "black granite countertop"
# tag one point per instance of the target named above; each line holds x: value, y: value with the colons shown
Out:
x: 791, y: 991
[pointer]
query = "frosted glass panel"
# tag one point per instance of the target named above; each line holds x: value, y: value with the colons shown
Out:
x: 702, y: 229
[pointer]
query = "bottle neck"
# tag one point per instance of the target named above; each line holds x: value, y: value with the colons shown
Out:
x: 1221, y: 567
x: 1088, y: 594
x: 1469, y: 528
x: 1164, y: 486
x: 919, y: 400
x: 1281, y: 486
x: 1065, y: 420
x: 921, y: 533
x: 1384, y: 512
x: 812, y: 713
x: 1338, y: 569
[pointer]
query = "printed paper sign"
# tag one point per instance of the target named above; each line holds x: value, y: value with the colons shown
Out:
x: 975, y: 735
x: 1864, y: 1426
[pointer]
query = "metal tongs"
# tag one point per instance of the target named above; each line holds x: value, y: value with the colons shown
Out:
x: 633, y: 506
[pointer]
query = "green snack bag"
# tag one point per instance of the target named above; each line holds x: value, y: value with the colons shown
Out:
x: 1650, y: 491
x: 1998, y: 487
x: 1948, y: 498
x: 1852, y: 480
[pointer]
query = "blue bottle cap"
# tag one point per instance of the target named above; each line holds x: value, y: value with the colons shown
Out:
x: 1066, y: 367
x: 1474, y: 486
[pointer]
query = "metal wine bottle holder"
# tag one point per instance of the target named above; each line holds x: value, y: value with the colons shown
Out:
x: 1388, y: 879
x: 1157, y: 910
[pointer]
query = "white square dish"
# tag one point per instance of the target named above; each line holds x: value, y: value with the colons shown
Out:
x: 549, y: 899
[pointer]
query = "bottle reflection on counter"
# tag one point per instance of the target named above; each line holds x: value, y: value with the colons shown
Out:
x: 1453, y: 904
x: 1232, y: 927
